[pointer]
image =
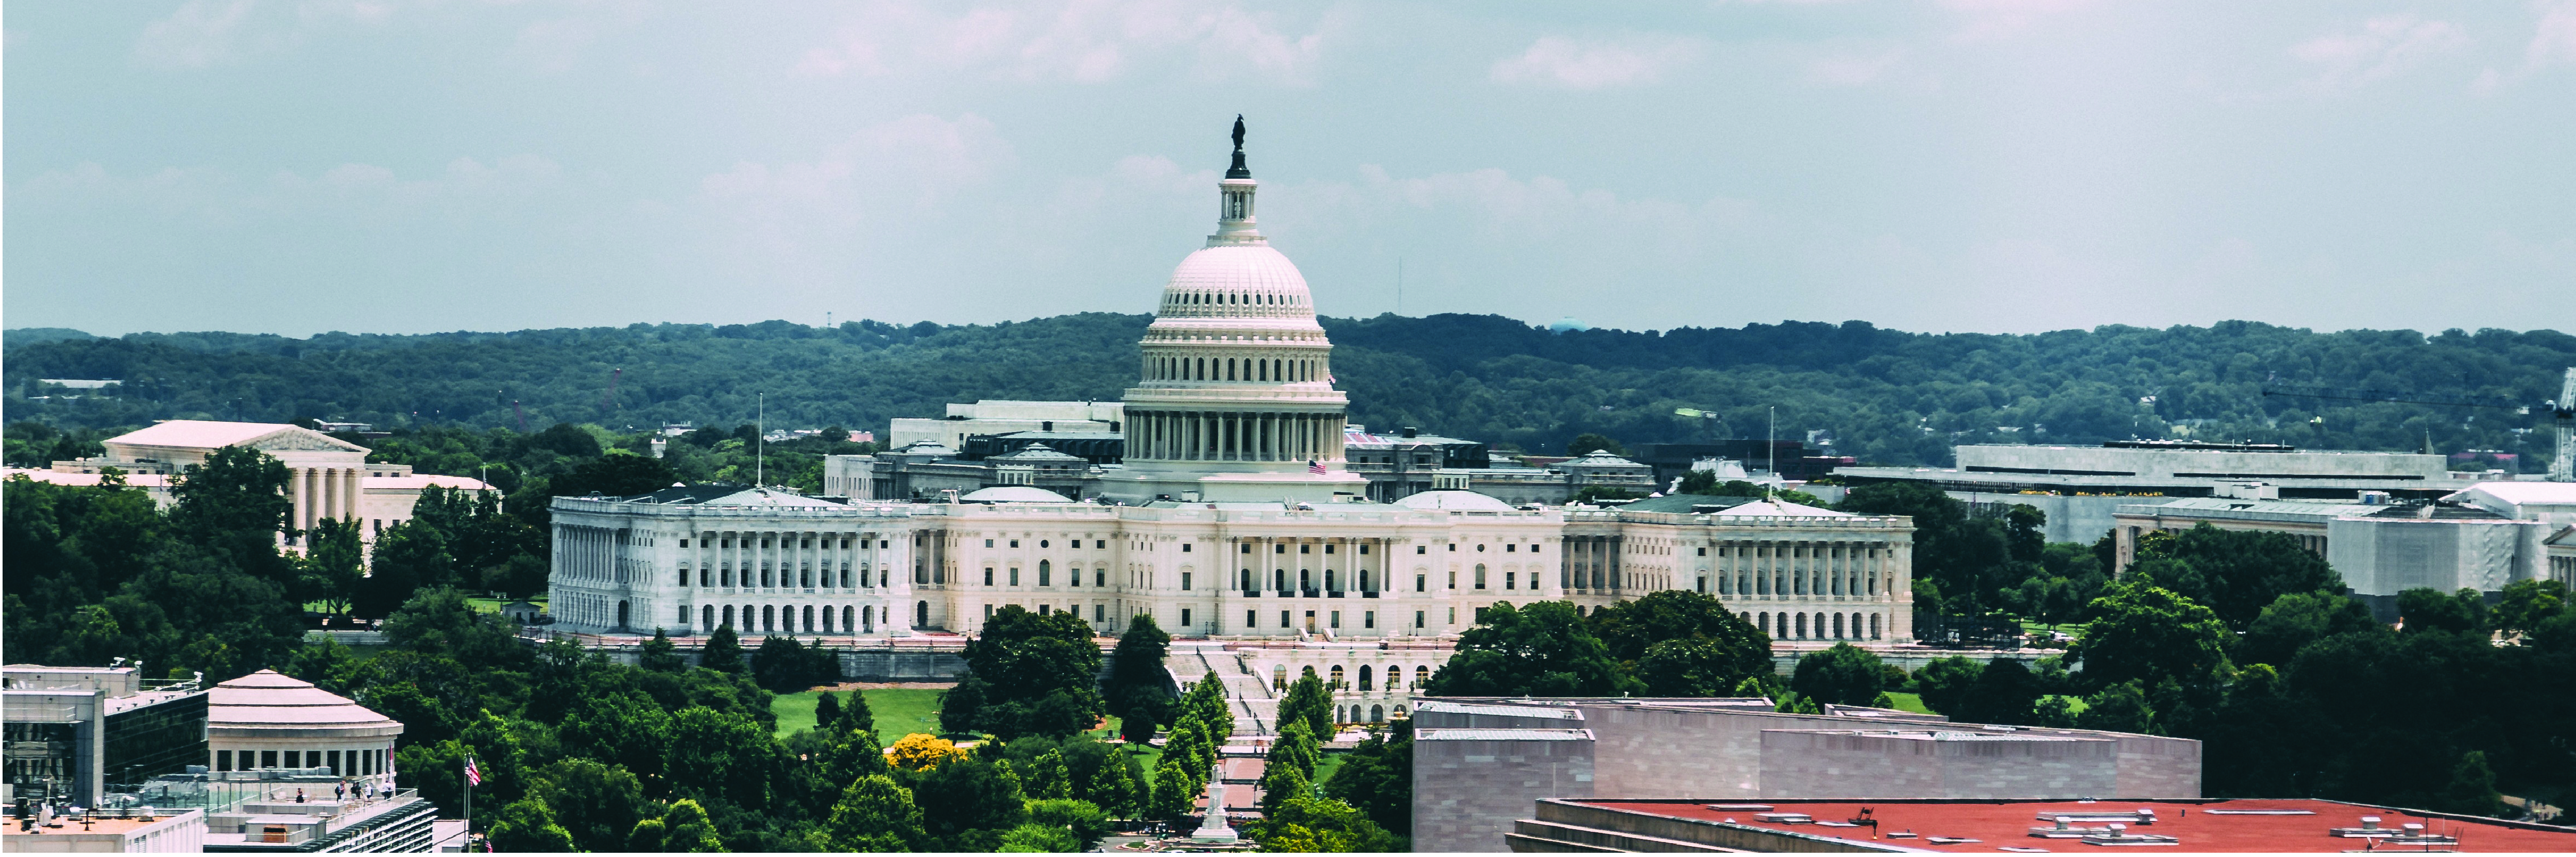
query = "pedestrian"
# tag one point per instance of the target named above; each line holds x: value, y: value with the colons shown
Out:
x: 299, y: 795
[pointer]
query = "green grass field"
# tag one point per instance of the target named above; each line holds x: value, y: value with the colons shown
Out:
x: 899, y: 712
x: 1910, y: 702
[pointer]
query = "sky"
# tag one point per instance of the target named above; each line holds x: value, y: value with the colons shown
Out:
x: 2011, y: 166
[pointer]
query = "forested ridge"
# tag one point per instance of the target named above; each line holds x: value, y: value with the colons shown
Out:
x: 1886, y: 396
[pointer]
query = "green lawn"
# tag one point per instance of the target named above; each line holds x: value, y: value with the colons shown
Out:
x: 899, y: 711
x: 1910, y: 702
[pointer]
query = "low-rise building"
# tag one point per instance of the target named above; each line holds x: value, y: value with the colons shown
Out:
x: 2379, y: 548
x: 326, y: 477
x: 1716, y: 823
x: 997, y: 417
x: 1480, y: 764
x: 75, y: 734
x: 268, y: 720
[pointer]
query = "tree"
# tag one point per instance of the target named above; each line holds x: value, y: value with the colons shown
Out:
x: 1947, y: 684
x: 1586, y: 443
x: 1377, y: 777
x: 614, y: 476
x: 875, y: 815
x: 1325, y: 826
x: 919, y: 752
x: 1087, y: 822
x: 856, y: 718
x: 1544, y: 650
x: 686, y: 829
x: 2297, y: 619
x: 1119, y: 788
x: 2422, y: 609
x: 1842, y: 675
x: 1034, y: 838
x: 2235, y: 573
x: 1048, y: 777
x: 410, y: 556
x: 1138, y: 688
x: 2118, y: 707
x: 659, y: 655
x: 527, y: 826
x: 784, y: 666
x: 1296, y: 748
x: 723, y: 651
x: 2006, y: 693
x: 1682, y: 643
x: 2148, y: 633
x: 1174, y: 789
x: 967, y: 794
x: 441, y: 621
x: 235, y: 504
x: 333, y: 569
x: 597, y: 805
x: 961, y: 708
x: 2527, y: 604
x: 1309, y: 703
x: 1024, y: 658
x: 1283, y: 784
x: 2472, y: 789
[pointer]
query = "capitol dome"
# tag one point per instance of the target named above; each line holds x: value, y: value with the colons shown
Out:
x: 1013, y: 494
x: 1453, y: 501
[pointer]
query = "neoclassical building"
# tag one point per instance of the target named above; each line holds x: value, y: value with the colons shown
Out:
x: 1234, y: 518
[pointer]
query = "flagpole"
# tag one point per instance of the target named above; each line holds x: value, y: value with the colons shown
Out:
x: 465, y: 776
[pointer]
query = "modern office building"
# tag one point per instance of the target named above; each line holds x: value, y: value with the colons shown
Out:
x: 75, y: 734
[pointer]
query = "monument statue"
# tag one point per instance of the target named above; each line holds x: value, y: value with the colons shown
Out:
x: 1238, y: 171
x: 1215, y: 829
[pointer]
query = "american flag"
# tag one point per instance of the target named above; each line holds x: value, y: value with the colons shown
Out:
x: 1314, y: 467
x: 473, y: 775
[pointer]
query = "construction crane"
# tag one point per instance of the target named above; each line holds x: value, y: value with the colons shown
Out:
x: 2562, y: 411
x: 611, y: 395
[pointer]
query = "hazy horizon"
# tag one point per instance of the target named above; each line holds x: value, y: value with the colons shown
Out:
x: 1999, y: 166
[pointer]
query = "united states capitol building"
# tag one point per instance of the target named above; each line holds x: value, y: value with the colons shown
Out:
x: 1233, y: 515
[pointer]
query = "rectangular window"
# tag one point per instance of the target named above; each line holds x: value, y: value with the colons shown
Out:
x: 1703, y: 551
x: 1511, y: 548
x: 683, y: 543
x: 1453, y: 548
x: 1102, y: 544
x: 988, y: 612
x: 1511, y: 580
x: 1015, y: 577
x: 1185, y: 547
x: 988, y: 576
x: 1015, y: 542
x: 1100, y: 577
x: 1328, y: 548
x: 1185, y: 585
x: 988, y: 543
x: 224, y: 760
x: 1368, y: 619
x: 1421, y: 583
x: 1046, y: 573
x: 1337, y: 618
x: 1453, y: 578
x: 334, y: 761
x: 1421, y: 549
x: 1305, y: 548
x: 1250, y: 620
x: 268, y: 758
x: 1185, y: 617
x: 1283, y: 619
x: 1247, y: 548
x: 1453, y: 615
x: 1417, y: 619
x: 1100, y: 612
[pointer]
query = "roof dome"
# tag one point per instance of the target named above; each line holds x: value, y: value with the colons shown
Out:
x: 1454, y: 501
x: 265, y: 702
x: 1013, y: 494
x: 1237, y: 281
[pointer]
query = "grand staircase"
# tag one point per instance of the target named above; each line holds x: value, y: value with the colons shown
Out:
x: 1256, y: 710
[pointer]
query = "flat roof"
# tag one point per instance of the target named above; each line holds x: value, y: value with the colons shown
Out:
x: 1503, y: 735
x: 2214, y: 825
x: 1535, y: 712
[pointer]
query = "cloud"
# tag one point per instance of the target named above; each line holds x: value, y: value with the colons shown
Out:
x: 1997, y: 20
x: 2383, y: 47
x: 2553, y: 42
x: 1595, y: 64
x: 1846, y: 69
x: 199, y: 34
x: 1084, y: 41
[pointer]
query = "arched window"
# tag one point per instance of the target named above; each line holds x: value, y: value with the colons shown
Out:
x: 769, y: 618
x: 847, y: 612
x: 1336, y: 682
x: 1802, y: 626
x: 621, y: 614
x: 1365, y: 685
x: 1331, y: 583
x: 1365, y: 580
x: 809, y: 619
x: 827, y: 620
x: 1046, y: 573
x: 728, y: 616
x: 1421, y: 676
x: 1873, y: 626
x: 868, y: 618
x: 1377, y: 714
x: 1480, y: 575
x: 1763, y: 621
x: 1306, y: 672
x: 921, y: 614
x: 1280, y: 577
x: 1838, y: 626
x: 1247, y: 581
x: 1279, y: 677
x: 1306, y: 579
